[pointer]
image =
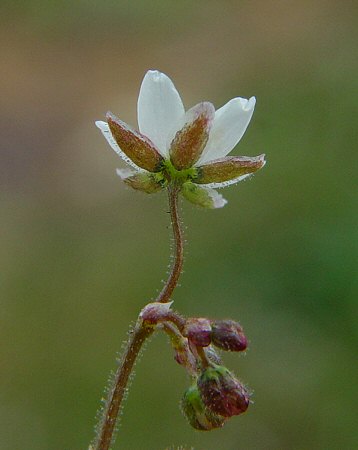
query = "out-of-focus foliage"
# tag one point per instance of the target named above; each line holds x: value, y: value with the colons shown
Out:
x: 81, y: 254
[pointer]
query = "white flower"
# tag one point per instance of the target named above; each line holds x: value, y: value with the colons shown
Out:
x: 186, y: 148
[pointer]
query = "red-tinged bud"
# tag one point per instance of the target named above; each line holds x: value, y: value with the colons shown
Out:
x: 189, y: 142
x: 198, y: 331
x: 155, y: 312
x: 144, y: 181
x: 184, y: 356
x: 222, y: 393
x: 182, y: 352
x: 198, y: 415
x: 228, y: 335
x: 229, y: 168
x: 137, y: 147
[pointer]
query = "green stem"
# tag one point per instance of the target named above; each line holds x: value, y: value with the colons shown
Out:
x: 141, y: 332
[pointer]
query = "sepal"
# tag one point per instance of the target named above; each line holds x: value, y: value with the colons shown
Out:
x: 137, y: 147
x: 143, y: 181
x: 203, y: 196
x: 189, y: 142
x: 228, y: 170
x: 198, y: 415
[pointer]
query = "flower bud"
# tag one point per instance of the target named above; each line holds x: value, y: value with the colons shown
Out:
x: 184, y: 357
x: 198, y: 415
x: 222, y: 393
x: 182, y: 352
x: 198, y: 331
x: 228, y: 335
x: 155, y: 312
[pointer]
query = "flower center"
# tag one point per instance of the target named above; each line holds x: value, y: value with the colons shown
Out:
x: 170, y: 175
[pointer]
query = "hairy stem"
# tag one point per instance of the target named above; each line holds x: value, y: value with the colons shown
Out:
x: 175, y: 272
x: 141, y: 332
x: 105, y: 435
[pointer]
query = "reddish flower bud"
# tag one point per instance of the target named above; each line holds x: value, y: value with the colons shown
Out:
x: 198, y: 331
x: 137, y: 147
x: 228, y: 335
x: 182, y: 352
x: 155, y: 312
x: 198, y: 415
x: 222, y: 393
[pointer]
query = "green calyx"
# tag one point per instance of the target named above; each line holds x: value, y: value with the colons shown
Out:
x: 215, y: 372
x: 173, y: 175
x: 197, y: 414
x: 145, y: 182
x: 197, y: 195
x: 165, y: 174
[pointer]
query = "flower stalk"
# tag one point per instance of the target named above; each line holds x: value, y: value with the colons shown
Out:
x: 140, y: 333
x: 107, y: 425
x: 177, y: 266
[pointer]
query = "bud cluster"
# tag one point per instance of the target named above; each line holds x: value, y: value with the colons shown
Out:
x: 215, y: 394
x: 224, y: 334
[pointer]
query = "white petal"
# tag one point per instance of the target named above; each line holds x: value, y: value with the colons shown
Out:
x: 103, y: 126
x: 227, y: 183
x: 125, y: 173
x: 228, y: 128
x: 203, y: 196
x: 218, y: 200
x: 159, y: 108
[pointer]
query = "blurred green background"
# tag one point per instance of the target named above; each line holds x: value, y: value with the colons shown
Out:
x: 81, y: 254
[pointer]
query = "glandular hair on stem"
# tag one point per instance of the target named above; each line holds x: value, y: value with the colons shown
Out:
x: 101, y: 412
